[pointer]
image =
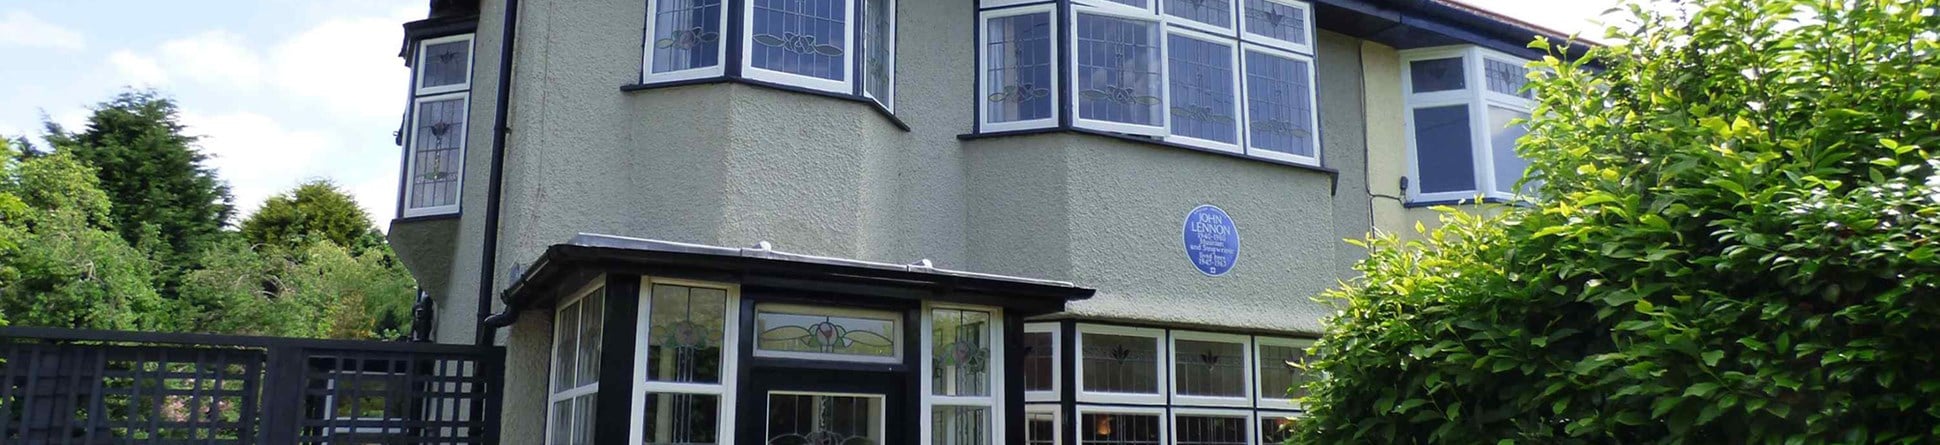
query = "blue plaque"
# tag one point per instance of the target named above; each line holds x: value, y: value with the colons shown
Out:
x: 1212, y: 243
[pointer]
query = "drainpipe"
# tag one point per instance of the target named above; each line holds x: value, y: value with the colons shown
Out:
x: 488, y: 255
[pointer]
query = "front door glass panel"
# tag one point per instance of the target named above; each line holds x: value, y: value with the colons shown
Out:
x: 824, y: 419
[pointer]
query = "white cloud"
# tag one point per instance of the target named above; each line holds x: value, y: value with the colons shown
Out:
x: 257, y: 155
x: 350, y: 65
x: 216, y: 58
x: 138, y: 69
x: 18, y: 28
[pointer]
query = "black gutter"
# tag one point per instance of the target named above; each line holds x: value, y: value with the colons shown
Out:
x: 488, y: 255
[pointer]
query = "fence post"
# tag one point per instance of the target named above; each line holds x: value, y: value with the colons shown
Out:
x: 283, y: 386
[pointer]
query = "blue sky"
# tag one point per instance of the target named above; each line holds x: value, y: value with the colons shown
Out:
x: 282, y: 91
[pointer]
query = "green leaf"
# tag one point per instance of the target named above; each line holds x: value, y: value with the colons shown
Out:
x: 1711, y: 357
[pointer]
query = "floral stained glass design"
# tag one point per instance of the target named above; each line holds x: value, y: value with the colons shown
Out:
x: 803, y: 419
x: 802, y: 37
x: 960, y: 344
x: 1019, y: 67
x: 1214, y: 369
x: 437, y: 149
x: 686, y: 327
x: 1212, y: 12
x: 446, y: 64
x: 1279, y: 103
x: 1202, y: 90
x: 1120, y: 363
x: 826, y: 333
x: 687, y: 35
x: 1507, y: 78
x: 1118, y: 71
x: 1276, y: 20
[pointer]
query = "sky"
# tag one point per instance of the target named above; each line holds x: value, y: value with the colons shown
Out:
x: 286, y: 91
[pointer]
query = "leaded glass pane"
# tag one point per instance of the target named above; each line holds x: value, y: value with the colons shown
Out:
x: 1040, y: 428
x: 1509, y: 166
x: 1019, y: 68
x: 804, y: 330
x: 1206, y: 368
x: 1506, y: 78
x: 1118, y: 70
x: 682, y: 419
x: 445, y: 64
x: 1437, y: 75
x: 1443, y: 151
x: 1212, y: 12
x: 876, y: 68
x: 960, y: 425
x: 1276, y: 20
x: 1202, y: 90
x: 1038, y: 361
x: 565, y: 348
x: 1211, y: 430
x: 1275, y: 429
x: 1279, y: 104
x: 561, y: 431
x: 437, y: 152
x: 802, y: 419
x: 1279, y: 379
x: 960, y: 342
x: 583, y: 415
x: 1120, y: 363
x: 687, y: 326
x: 687, y: 34
x: 1134, y: 3
x: 592, y: 311
x: 1119, y: 429
x: 803, y: 37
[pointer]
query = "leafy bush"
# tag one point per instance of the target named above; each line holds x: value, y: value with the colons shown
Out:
x: 1736, y: 245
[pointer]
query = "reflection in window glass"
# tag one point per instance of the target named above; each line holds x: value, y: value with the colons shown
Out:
x: 437, y: 152
x: 803, y: 37
x: 1278, y: 379
x: 960, y: 425
x: 562, y: 423
x: 1437, y: 75
x: 1211, y: 430
x: 1202, y: 89
x: 1210, y: 368
x: 1118, y: 70
x: 565, y: 345
x: 1507, y: 78
x: 1276, y: 20
x: 1038, y: 361
x: 876, y: 68
x: 687, y: 35
x: 1279, y: 104
x: 1275, y: 429
x: 1119, y: 429
x: 686, y: 327
x: 800, y: 419
x: 592, y: 311
x: 817, y: 331
x: 681, y: 419
x: 583, y: 415
x: 1119, y: 363
x: 1212, y: 12
x: 446, y: 64
x: 960, y: 344
x: 1040, y: 428
x: 1509, y: 166
x: 1019, y: 77
x: 1442, y: 152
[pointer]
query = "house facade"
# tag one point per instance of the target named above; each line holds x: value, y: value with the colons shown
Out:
x: 926, y: 221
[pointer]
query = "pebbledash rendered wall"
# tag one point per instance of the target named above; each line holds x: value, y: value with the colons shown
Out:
x: 733, y: 164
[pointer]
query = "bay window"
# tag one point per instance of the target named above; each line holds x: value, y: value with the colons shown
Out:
x: 575, y: 367
x: 436, y: 126
x: 843, y: 48
x: 685, y: 337
x: 962, y: 392
x: 1233, y: 76
x: 1464, y: 106
x: 1121, y: 364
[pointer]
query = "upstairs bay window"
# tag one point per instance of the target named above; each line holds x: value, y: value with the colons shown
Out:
x: 1463, y: 105
x: 436, y: 126
x: 840, y: 47
x: 1233, y: 76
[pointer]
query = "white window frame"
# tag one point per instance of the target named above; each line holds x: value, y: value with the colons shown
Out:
x: 889, y: 90
x: 1232, y: 11
x: 983, y: 56
x: 411, y: 158
x: 646, y: 55
x: 1245, y: 417
x: 1162, y: 361
x: 554, y: 394
x: 730, y: 357
x: 1265, y: 401
x: 1164, y: 419
x: 1150, y: 8
x: 845, y: 85
x: 882, y: 402
x: 819, y: 310
x: 417, y: 77
x: 1057, y: 421
x: 1306, y: 10
x: 992, y: 403
x: 1261, y: 416
x: 1057, y: 361
x: 1240, y: 122
x: 1161, y: 130
x: 1478, y: 98
x: 1313, y: 100
x: 1246, y: 375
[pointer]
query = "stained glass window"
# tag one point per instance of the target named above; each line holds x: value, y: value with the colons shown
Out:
x: 437, y: 152
x: 1279, y: 104
x: 1209, y: 368
x: 960, y: 346
x: 1278, y: 378
x: 1120, y: 363
x: 1039, y: 361
x: 811, y: 332
x: 1118, y: 71
x: 960, y: 425
x: 1276, y: 20
x: 815, y: 419
x: 1463, y: 143
x: 1437, y: 75
x: 687, y: 336
x: 1211, y: 430
x: 1218, y: 13
x: 1018, y: 67
x: 801, y: 37
x: 1119, y: 429
x: 1203, y: 93
x: 1507, y: 78
x: 445, y: 64
x: 1275, y: 428
x: 686, y: 35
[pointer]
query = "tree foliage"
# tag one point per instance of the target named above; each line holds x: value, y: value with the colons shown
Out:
x: 61, y: 263
x: 1736, y: 245
x: 314, y: 211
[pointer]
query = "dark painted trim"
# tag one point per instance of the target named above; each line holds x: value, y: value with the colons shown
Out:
x: 622, y: 301
x: 1068, y: 381
x: 877, y: 106
x: 981, y: 8
x: 1209, y: 330
x: 1143, y: 140
x: 424, y: 218
x: 1013, y: 408
x: 432, y: 28
x: 488, y: 251
x: 1452, y: 202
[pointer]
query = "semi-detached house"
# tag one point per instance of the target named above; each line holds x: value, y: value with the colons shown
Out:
x: 927, y: 221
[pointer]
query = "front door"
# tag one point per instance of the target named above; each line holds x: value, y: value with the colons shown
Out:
x: 795, y: 406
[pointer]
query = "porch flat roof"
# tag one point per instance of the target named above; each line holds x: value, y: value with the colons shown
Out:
x: 589, y: 254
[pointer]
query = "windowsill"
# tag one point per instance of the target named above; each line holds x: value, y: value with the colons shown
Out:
x: 1145, y: 140
x: 1452, y: 202
x: 893, y: 120
x: 423, y: 218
